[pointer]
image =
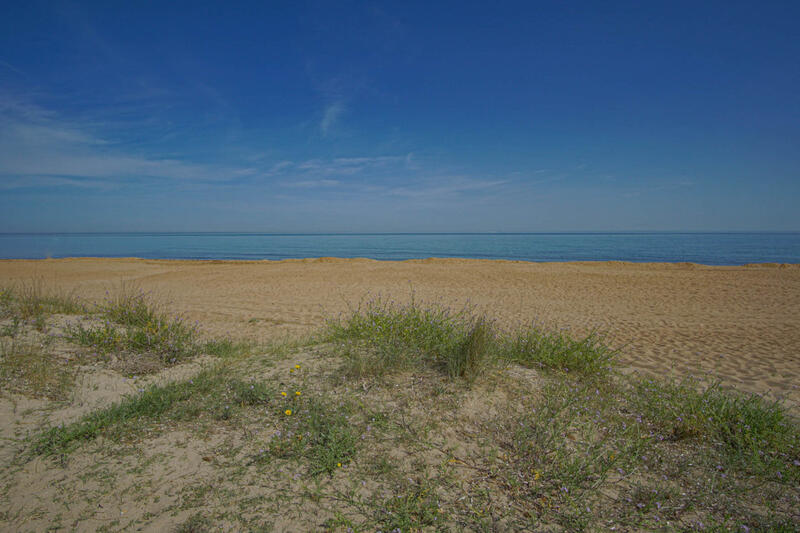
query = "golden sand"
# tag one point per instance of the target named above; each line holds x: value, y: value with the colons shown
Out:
x: 739, y: 323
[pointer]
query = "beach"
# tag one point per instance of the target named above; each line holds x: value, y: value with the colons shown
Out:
x: 163, y: 395
x: 738, y: 324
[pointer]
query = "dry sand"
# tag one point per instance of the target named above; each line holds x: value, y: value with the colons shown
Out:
x: 741, y: 324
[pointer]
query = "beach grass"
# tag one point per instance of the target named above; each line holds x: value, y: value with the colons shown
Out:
x: 134, y: 322
x: 556, y: 350
x: 383, y: 337
x: 27, y: 367
x: 750, y: 432
x: 212, y: 393
x: 411, y: 417
x: 33, y: 301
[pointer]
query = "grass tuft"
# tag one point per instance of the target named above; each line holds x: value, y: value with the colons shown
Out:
x: 26, y: 367
x: 226, y: 348
x: 414, y: 509
x: 753, y: 433
x: 475, y: 351
x: 558, y: 351
x: 212, y: 392
x: 136, y: 324
x: 317, y: 431
x: 33, y: 302
x: 384, y: 337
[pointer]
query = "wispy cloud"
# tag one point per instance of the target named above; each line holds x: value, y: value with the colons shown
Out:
x: 34, y: 182
x: 346, y: 165
x: 36, y: 142
x: 307, y: 184
x: 680, y: 183
x: 12, y: 68
x: 331, y: 115
x: 444, y: 187
x: 330, y: 172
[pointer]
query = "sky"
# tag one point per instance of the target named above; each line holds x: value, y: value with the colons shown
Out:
x: 296, y: 117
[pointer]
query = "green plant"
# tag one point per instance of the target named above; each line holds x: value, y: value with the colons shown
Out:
x: 226, y: 347
x: 317, y: 430
x: 213, y: 392
x: 414, y: 509
x: 26, y: 367
x: 756, y: 434
x: 384, y: 336
x: 559, y: 351
x: 475, y: 351
x: 32, y: 302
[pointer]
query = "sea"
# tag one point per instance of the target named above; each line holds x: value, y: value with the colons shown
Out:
x: 704, y: 248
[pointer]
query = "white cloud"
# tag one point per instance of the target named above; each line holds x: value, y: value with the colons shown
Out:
x: 52, y: 181
x: 36, y: 142
x: 330, y: 117
x: 340, y: 166
x: 308, y: 184
x: 445, y: 187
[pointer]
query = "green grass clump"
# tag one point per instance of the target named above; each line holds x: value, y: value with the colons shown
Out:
x: 34, y: 299
x: 414, y: 330
x: 226, y: 347
x: 413, y: 509
x: 475, y: 352
x: 6, y: 301
x: 331, y: 438
x: 149, y: 328
x: 32, y: 302
x: 386, y: 337
x: 753, y: 433
x: 212, y: 392
x: 557, y: 350
x: 129, y: 307
x: 566, y: 444
x: 172, y: 341
x: 316, y: 430
x: 26, y: 367
x: 134, y: 323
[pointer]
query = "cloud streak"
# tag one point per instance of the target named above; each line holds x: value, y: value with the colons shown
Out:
x: 330, y: 117
x: 447, y: 187
x: 36, y: 142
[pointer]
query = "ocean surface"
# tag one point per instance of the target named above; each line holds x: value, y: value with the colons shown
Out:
x: 705, y: 248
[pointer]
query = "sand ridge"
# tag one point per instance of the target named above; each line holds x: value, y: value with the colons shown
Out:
x: 739, y: 323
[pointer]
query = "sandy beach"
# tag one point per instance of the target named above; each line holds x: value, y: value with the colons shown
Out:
x: 741, y: 324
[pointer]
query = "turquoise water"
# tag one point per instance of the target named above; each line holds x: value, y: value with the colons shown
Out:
x: 706, y: 248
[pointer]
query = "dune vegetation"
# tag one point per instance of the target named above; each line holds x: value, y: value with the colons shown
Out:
x: 394, y: 417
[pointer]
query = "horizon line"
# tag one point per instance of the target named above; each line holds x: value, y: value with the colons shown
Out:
x: 555, y: 232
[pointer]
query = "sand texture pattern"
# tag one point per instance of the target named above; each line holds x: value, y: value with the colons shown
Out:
x: 741, y: 324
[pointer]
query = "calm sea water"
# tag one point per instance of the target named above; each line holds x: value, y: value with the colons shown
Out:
x: 706, y: 248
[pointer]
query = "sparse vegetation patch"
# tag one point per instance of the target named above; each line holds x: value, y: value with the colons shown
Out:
x: 212, y: 393
x: 383, y: 336
x: 469, y: 428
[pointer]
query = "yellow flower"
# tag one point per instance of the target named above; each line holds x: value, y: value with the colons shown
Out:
x: 297, y: 393
x: 291, y: 370
x: 297, y: 367
x: 288, y: 412
x: 283, y: 394
x: 536, y: 475
x: 339, y: 465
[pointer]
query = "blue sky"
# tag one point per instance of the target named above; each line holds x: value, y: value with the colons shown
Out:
x: 399, y: 116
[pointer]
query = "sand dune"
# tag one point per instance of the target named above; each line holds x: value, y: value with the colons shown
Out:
x: 740, y: 323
